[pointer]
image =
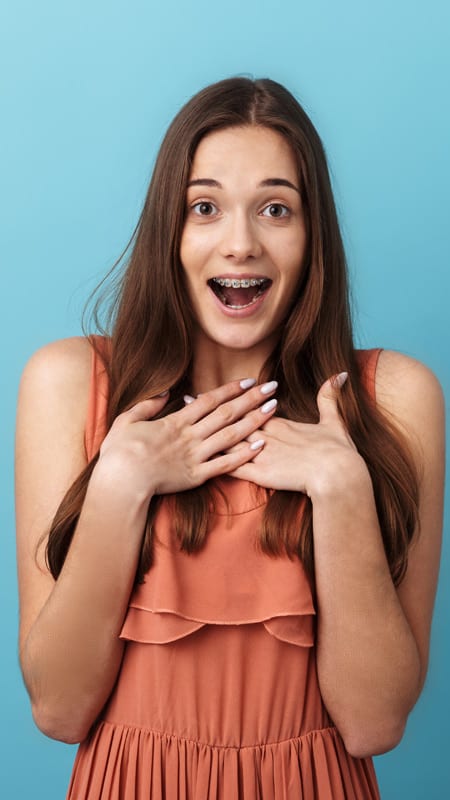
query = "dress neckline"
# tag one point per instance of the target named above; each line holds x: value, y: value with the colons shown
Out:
x: 232, y: 496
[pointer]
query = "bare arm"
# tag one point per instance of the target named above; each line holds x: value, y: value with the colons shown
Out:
x: 373, y: 639
x: 69, y: 647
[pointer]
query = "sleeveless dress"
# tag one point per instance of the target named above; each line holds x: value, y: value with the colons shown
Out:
x: 217, y: 697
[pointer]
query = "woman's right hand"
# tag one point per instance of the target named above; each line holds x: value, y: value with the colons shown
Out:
x: 185, y: 448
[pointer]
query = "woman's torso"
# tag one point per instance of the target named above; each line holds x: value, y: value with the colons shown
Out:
x: 217, y: 696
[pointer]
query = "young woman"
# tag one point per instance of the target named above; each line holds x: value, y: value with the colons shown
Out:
x: 228, y: 518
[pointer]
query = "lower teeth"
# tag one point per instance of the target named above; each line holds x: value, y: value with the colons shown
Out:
x: 228, y: 305
x: 246, y: 305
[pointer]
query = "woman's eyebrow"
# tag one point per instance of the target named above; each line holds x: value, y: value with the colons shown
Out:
x: 279, y: 182
x: 266, y: 182
x: 205, y: 182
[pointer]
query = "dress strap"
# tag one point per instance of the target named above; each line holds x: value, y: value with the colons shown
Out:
x: 98, y: 396
x: 368, y: 361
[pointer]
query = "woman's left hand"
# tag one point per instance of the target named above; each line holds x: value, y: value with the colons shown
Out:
x: 305, y: 457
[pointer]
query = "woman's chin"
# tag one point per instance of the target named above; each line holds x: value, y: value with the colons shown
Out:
x: 237, y: 342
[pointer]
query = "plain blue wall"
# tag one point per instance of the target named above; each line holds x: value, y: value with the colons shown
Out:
x: 89, y: 88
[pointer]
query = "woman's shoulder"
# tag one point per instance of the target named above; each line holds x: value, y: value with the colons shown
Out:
x: 409, y: 391
x: 57, y: 376
x: 64, y: 361
x: 399, y: 375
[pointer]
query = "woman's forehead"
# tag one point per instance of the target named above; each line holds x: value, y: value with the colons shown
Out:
x: 232, y: 152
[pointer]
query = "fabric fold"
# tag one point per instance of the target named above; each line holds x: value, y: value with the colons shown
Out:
x: 135, y: 764
x: 229, y: 582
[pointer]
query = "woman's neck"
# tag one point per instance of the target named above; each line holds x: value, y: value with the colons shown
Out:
x: 214, y: 365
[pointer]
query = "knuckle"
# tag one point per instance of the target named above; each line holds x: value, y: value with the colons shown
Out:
x: 120, y: 420
x: 236, y: 432
x: 194, y: 474
x: 184, y: 435
x: 226, y: 414
x: 206, y: 406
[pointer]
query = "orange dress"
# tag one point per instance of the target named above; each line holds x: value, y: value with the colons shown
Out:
x: 217, y: 697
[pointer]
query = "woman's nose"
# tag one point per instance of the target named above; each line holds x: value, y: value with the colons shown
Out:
x: 240, y: 240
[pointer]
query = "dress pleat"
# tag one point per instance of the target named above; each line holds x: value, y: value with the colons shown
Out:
x: 133, y: 764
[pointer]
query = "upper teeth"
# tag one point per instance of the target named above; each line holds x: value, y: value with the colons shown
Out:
x: 236, y: 283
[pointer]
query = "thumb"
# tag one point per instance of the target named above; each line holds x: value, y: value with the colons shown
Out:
x: 327, y: 397
x: 146, y: 409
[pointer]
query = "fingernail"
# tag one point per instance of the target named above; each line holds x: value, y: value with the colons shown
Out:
x: 339, y: 380
x: 247, y: 383
x: 269, y: 406
x: 257, y: 445
x: 266, y: 388
x: 163, y: 394
x: 188, y: 399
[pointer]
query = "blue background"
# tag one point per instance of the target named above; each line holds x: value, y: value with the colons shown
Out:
x: 88, y: 90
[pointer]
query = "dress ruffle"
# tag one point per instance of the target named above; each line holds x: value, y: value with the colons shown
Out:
x: 228, y: 583
x: 133, y: 763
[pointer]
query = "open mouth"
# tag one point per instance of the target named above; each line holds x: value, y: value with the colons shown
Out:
x: 239, y: 292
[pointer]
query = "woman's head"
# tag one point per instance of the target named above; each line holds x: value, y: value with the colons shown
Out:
x: 154, y: 284
x: 153, y: 324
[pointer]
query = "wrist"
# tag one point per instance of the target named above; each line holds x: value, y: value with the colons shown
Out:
x: 111, y: 484
x: 348, y: 478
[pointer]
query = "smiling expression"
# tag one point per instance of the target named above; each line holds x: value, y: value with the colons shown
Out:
x: 244, y: 237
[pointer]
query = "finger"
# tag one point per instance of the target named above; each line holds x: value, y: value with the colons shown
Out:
x: 247, y: 472
x: 225, y: 438
x: 237, y: 408
x: 196, y: 408
x: 223, y: 405
x: 250, y: 439
x: 146, y: 409
x: 327, y: 398
x: 256, y: 442
x: 227, y: 463
x: 238, y: 446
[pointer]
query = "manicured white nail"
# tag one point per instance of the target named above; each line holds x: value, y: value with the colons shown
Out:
x: 269, y: 406
x: 339, y: 380
x: 188, y: 399
x: 247, y: 383
x: 163, y: 394
x: 257, y: 445
x: 266, y: 388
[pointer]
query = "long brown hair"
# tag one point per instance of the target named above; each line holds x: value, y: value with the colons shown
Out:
x: 151, y: 323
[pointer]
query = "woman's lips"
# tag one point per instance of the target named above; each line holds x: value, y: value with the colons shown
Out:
x: 242, y: 309
x: 239, y: 293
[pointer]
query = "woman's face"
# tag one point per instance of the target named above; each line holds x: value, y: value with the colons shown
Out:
x: 244, y: 237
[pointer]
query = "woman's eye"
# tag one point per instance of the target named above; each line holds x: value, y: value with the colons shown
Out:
x: 204, y: 209
x: 276, y: 210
